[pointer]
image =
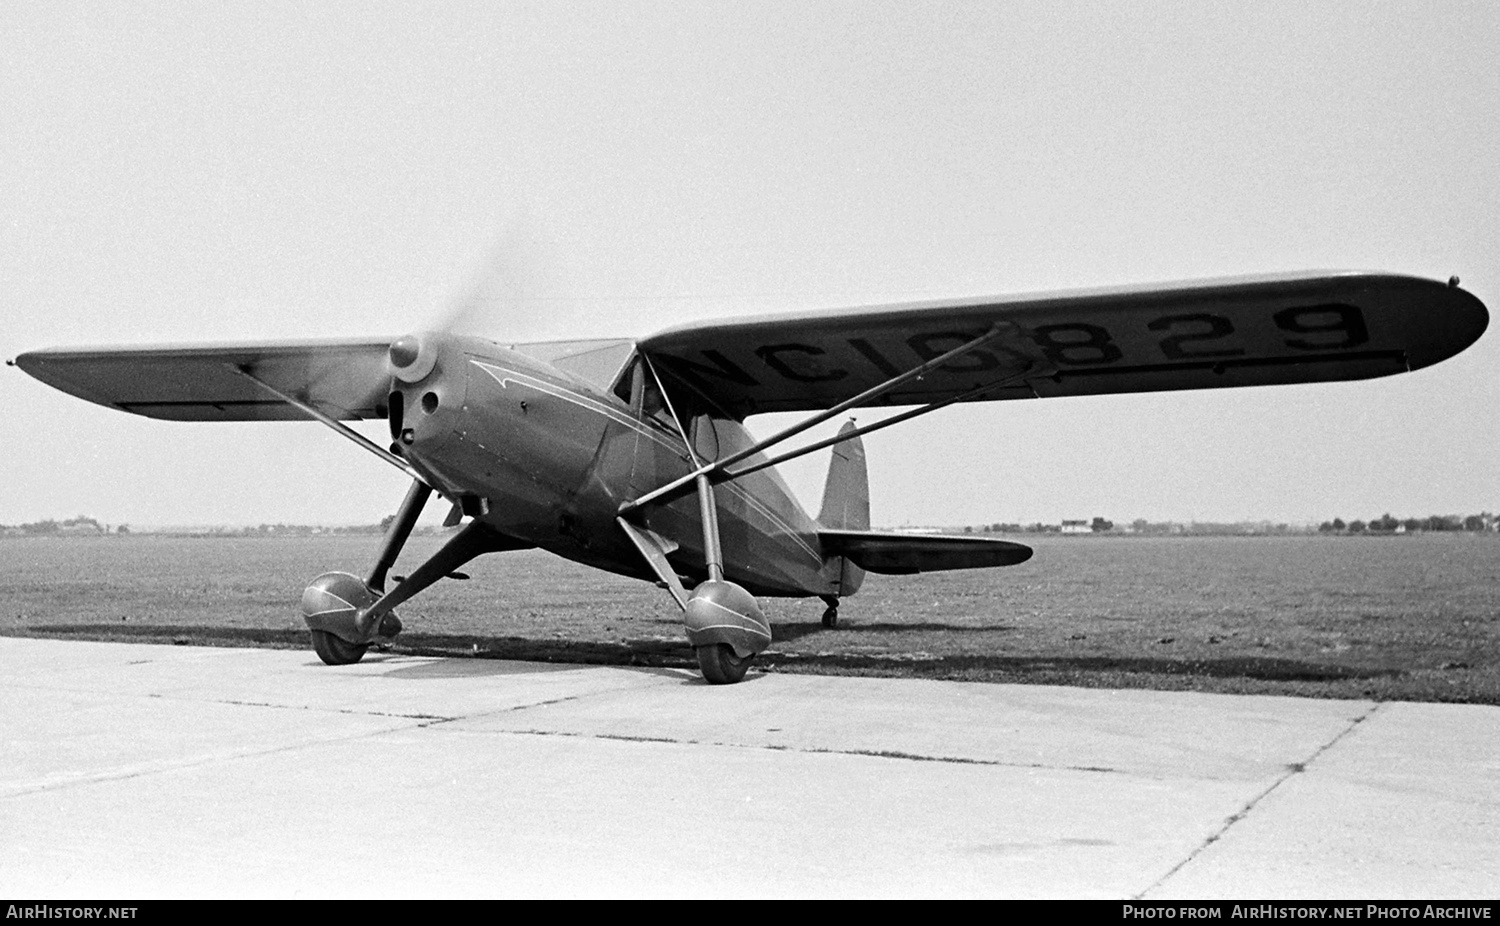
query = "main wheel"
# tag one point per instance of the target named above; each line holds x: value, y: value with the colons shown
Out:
x: 720, y: 665
x: 831, y: 618
x: 336, y: 651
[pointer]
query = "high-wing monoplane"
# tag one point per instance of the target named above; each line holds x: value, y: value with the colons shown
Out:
x: 632, y: 455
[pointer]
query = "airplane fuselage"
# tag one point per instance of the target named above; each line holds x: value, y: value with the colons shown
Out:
x: 555, y: 457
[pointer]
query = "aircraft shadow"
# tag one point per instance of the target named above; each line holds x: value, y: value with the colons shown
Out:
x: 792, y: 630
x: 655, y: 653
x: 467, y: 668
x: 1039, y: 668
x: 784, y: 632
x: 665, y: 654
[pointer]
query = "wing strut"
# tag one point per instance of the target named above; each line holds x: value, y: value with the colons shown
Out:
x: 654, y: 547
x: 708, y: 511
x: 718, y: 471
x: 343, y: 429
x: 1030, y: 372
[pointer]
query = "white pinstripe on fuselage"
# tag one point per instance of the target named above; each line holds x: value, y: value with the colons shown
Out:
x: 503, y: 375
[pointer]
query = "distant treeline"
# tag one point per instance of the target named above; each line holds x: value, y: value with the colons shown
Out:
x: 295, y: 530
x: 86, y: 526
x: 1143, y: 526
x: 1484, y: 521
x: 79, y: 525
x: 1385, y: 524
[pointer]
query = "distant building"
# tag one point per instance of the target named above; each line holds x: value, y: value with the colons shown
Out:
x: 1076, y: 527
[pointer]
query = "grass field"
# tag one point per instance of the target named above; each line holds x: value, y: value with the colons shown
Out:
x: 1413, y: 617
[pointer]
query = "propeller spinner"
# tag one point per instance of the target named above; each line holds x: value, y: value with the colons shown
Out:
x: 412, y: 358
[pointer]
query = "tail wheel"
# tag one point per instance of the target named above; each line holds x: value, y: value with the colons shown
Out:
x: 720, y: 665
x: 336, y: 651
x: 831, y: 616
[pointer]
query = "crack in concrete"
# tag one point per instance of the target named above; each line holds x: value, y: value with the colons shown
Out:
x: 420, y: 722
x: 196, y: 698
x: 428, y: 721
x: 430, y: 718
x: 1292, y: 770
x: 142, y: 769
x: 772, y: 747
x: 357, y: 711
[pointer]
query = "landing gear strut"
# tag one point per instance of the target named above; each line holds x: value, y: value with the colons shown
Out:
x: 724, y: 622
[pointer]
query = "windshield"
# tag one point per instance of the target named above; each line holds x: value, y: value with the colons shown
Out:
x: 597, y: 363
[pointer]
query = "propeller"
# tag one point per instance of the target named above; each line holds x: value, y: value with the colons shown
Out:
x: 498, y: 299
x: 502, y: 289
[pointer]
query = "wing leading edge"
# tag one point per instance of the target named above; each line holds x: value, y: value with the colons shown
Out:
x: 347, y: 378
x: 1194, y: 335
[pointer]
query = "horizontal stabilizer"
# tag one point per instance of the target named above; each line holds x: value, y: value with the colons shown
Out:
x: 903, y: 554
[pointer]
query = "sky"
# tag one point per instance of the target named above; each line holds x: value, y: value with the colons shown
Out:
x: 208, y: 172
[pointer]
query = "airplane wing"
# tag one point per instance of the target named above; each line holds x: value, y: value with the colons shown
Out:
x: 904, y: 554
x: 346, y: 379
x: 1208, y: 334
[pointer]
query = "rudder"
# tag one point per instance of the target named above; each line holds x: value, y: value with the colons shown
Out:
x: 846, y: 491
x: 846, y: 503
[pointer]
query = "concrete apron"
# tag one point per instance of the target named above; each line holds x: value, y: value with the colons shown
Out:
x: 136, y: 771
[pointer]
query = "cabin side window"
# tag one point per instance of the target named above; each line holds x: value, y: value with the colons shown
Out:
x: 639, y: 388
x: 628, y: 386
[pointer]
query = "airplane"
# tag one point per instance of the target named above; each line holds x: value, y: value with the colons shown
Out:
x: 632, y: 455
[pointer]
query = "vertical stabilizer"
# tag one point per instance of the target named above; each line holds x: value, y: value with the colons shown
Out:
x: 846, y: 493
x: 846, y: 503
